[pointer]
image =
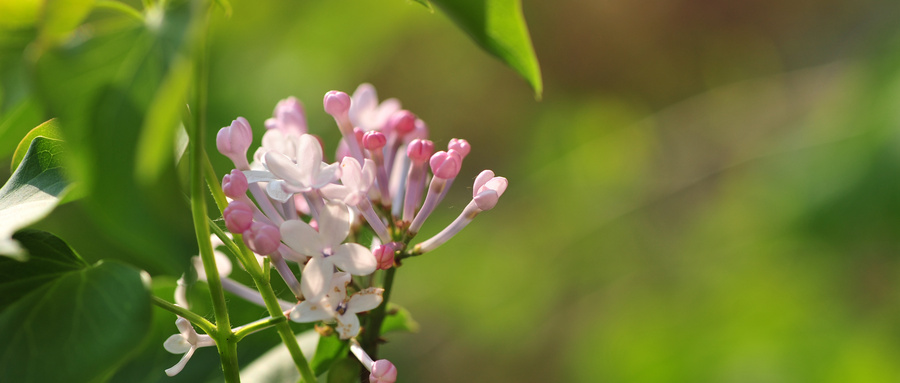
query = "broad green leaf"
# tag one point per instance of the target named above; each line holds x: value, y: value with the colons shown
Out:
x: 104, y: 90
x: 398, y: 319
x: 32, y: 191
x: 499, y: 27
x: 49, y: 129
x: 78, y: 324
x: 329, y: 350
x: 50, y: 258
x: 19, y: 14
x: 345, y: 370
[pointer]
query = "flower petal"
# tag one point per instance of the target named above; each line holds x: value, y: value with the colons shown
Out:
x: 482, y: 178
x: 283, y: 168
x: 302, y: 238
x: 335, y: 192
x: 259, y: 176
x: 177, y: 344
x: 327, y: 174
x: 354, y: 259
x: 309, y: 311
x: 276, y: 190
x: 351, y: 173
x: 347, y: 325
x: 316, y: 278
x: 334, y: 224
x: 309, y: 157
x: 174, y: 370
x: 365, y: 300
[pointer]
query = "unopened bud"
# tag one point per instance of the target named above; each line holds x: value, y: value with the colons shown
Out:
x: 238, y: 216
x: 233, y: 141
x: 383, y: 371
x: 337, y: 103
x: 384, y: 255
x: 460, y: 146
x: 420, y: 150
x: 402, y: 122
x: 374, y: 140
x: 262, y: 238
x: 234, y: 184
x: 445, y: 164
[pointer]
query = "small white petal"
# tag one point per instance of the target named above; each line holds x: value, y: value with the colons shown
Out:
x: 334, y: 224
x: 259, y: 176
x: 335, y: 192
x: 327, y: 174
x: 276, y: 190
x: 283, y: 168
x: 365, y: 300
x: 351, y: 173
x: 174, y: 370
x: 176, y: 344
x: 354, y: 259
x: 308, y: 311
x: 316, y: 278
x: 301, y: 237
x: 347, y: 325
x: 309, y: 158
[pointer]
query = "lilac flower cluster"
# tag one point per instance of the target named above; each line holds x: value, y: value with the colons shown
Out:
x: 303, y: 208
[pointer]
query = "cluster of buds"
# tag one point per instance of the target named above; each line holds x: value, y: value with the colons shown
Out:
x: 304, y: 208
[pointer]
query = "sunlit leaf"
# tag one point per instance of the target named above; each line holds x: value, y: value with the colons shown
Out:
x: 157, y: 140
x: 33, y: 190
x: 61, y: 16
x: 426, y: 4
x: 71, y: 322
x: 49, y: 129
x: 499, y: 27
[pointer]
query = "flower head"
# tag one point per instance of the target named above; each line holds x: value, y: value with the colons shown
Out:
x: 185, y: 342
x: 336, y: 305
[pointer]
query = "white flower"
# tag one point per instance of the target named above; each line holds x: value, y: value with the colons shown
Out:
x: 186, y: 342
x: 365, y: 111
x: 356, y: 182
x: 336, y: 305
x: 301, y: 172
x: 325, y: 249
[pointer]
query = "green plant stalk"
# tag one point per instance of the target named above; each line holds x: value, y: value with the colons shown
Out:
x: 373, y: 329
x: 226, y: 342
x: 258, y: 325
x: 284, y: 328
x: 195, y: 318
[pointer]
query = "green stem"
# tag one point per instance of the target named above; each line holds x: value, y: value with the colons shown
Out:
x: 373, y: 330
x: 225, y: 339
x: 215, y: 188
x: 284, y: 328
x: 195, y: 318
x: 251, y: 328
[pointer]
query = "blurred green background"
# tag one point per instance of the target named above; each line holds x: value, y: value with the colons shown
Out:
x: 708, y: 191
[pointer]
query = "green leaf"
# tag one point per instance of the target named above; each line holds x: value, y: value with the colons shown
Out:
x: 32, y: 191
x: 51, y: 258
x: 499, y: 27
x: 344, y: 370
x: 105, y: 90
x: 329, y: 349
x: 49, y: 129
x: 78, y: 324
x: 398, y: 319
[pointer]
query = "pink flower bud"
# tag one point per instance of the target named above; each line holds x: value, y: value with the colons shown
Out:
x: 234, y: 184
x: 383, y: 371
x: 420, y: 150
x: 233, y: 141
x: 488, y: 189
x: 288, y: 117
x: 445, y: 164
x: 460, y: 146
x: 359, y: 133
x: 238, y: 216
x: 262, y: 238
x: 374, y: 140
x: 337, y: 103
x: 384, y: 255
x: 402, y: 122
